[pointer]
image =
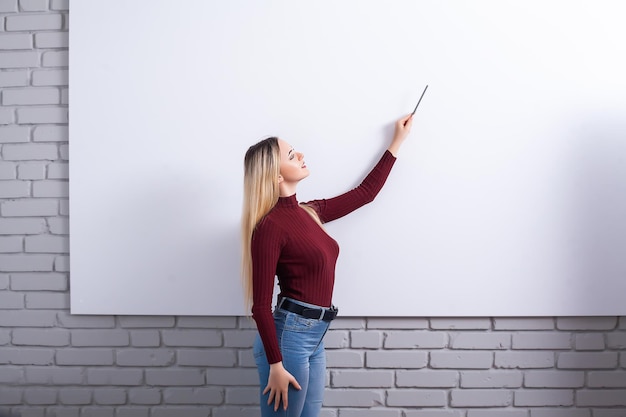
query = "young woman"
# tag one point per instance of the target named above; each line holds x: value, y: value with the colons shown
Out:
x: 284, y: 238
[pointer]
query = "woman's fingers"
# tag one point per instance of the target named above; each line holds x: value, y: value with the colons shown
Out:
x: 278, y: 387
x: 277, y: 401
x: 276, y: 395
x: 273, y: 397
x: 403, y: 127
x: 294, y: 382
x: 405, y: 122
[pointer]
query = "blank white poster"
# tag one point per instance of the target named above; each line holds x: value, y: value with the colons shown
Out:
x: 508, y: 198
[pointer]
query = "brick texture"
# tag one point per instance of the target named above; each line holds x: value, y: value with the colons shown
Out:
x: 55, y: 364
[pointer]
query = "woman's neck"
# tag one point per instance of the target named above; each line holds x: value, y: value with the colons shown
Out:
x: 286, y: 189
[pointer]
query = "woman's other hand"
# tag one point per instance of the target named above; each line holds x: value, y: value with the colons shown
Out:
x: 278, y: 385
x: 402, y: 129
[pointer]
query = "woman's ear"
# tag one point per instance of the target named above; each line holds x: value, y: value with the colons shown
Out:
x: 280, y: 178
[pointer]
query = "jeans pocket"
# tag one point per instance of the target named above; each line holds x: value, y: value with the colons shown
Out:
x: 297, y: 323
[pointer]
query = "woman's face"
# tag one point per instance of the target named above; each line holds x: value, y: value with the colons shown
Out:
x: 292, y: 166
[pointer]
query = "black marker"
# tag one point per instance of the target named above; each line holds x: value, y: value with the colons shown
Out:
x: 418, y: 103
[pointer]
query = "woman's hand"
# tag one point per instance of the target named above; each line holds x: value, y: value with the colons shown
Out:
x: 403, y: 127
x: 278, y: 385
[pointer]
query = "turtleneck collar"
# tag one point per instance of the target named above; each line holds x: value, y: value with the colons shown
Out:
x: 289, y: 201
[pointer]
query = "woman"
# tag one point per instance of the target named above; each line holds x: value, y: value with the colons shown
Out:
x: 284, y: 238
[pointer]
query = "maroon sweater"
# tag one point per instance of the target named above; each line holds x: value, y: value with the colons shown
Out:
x: 289, y: 244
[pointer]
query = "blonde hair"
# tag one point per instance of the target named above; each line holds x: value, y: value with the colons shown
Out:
x: 260, y: 195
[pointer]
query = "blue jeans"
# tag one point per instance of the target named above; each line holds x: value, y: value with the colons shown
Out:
x: 302, y: 349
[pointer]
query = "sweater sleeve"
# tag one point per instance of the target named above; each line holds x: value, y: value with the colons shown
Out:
x: 266, y: 246
x: 336, y: 207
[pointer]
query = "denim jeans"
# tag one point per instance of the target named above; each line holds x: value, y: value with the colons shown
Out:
x: 302, y: 349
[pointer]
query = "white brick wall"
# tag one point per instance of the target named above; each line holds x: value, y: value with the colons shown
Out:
x: 56, y: 364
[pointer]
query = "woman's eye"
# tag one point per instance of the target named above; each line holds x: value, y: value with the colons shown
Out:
x: 290, y: 157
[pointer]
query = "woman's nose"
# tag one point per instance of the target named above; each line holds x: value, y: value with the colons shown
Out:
x: 300, y: 156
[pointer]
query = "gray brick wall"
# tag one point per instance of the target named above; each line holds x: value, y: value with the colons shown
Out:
x: 56, y: 364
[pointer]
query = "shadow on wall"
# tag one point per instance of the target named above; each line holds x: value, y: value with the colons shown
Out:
x: 597, y: 195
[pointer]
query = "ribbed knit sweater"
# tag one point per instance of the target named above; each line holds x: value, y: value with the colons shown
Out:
x: 289, y: 244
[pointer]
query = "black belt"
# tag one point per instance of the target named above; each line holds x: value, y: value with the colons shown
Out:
x: 324, y: 314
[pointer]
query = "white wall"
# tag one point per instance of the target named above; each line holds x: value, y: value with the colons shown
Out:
x: 513, y: 178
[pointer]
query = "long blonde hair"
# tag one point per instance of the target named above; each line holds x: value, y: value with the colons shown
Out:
x: 260, y: 195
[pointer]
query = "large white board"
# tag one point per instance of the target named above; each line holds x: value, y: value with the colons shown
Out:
x: 508, y: 199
